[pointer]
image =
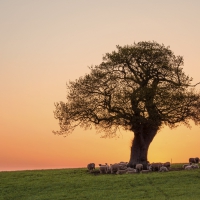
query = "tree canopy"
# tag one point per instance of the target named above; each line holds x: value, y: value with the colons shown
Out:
x: 137, y: 87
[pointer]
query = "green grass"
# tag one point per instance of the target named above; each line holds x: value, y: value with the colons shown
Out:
x: 79, y: 184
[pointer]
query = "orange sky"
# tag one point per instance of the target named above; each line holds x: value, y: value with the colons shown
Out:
x: 44, y: 44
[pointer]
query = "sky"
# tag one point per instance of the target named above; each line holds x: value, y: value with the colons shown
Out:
x: 44, y: 44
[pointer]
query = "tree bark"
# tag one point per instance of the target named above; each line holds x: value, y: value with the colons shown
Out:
x: 140, y: 146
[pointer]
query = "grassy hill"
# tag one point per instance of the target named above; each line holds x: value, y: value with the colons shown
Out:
x: 80, y: 184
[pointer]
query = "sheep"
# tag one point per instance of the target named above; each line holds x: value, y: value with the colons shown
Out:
x: 91, y: 166
x: 195, y: 166
x: 194, y: 160
x: 149, y: 167
x: 156, y: 166
x: 114, y: 168
x: 122, y: 165
x: 122, y: 171
x: 166, y: 164
x: 118, y: 166
x: 131, y: 170
x: 104, y: 168
x: 139, y: 167
x: 163, y: 169
x: 185, y: 165
x: 189, y: 167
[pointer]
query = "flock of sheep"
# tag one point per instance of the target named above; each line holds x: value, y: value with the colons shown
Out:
x: 122, y: 167
x: 193, y: 164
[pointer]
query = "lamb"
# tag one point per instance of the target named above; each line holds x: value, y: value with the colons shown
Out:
x: 189, y: 167
x: 163, y: 169
x: 104, y: 168
x: 91, y: 167
x: 139, y: 167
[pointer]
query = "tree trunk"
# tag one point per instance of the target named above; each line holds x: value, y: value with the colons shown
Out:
x: 140, y: 146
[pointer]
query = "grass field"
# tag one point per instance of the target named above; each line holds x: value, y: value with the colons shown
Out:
x: 79, y: 184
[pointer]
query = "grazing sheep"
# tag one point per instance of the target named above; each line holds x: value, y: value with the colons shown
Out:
x: 118, y: 166
x: 114, y: 168
x: 185, y: 165
x: 139, y: 167
x: 167, y: 164
x: 156, y: 166
x: 91, y: 167
x: 194, y: 160
x: 189, y: 167
x: 163, y: 169
x: 104, y: 168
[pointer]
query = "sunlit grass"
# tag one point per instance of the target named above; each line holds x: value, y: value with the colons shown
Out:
x: 79, y: 184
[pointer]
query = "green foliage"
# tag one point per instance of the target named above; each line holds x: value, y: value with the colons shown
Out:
x: 79, y: 184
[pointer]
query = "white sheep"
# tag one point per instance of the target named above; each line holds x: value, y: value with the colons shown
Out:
x: 163, y: 169
x: 104, y: 168
x: 189, y: 167
x: 185, y: 165
x: 139, y: 167
x: 167, y: 164
x: 122, y: 165
x: 156, y: 166
x: 130, y: 170
x: 114, y: 168
x: 118, y: 166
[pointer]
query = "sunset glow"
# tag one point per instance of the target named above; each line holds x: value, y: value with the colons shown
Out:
x: 45, y: 44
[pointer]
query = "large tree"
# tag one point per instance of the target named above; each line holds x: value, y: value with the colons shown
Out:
x: 138, y: 88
